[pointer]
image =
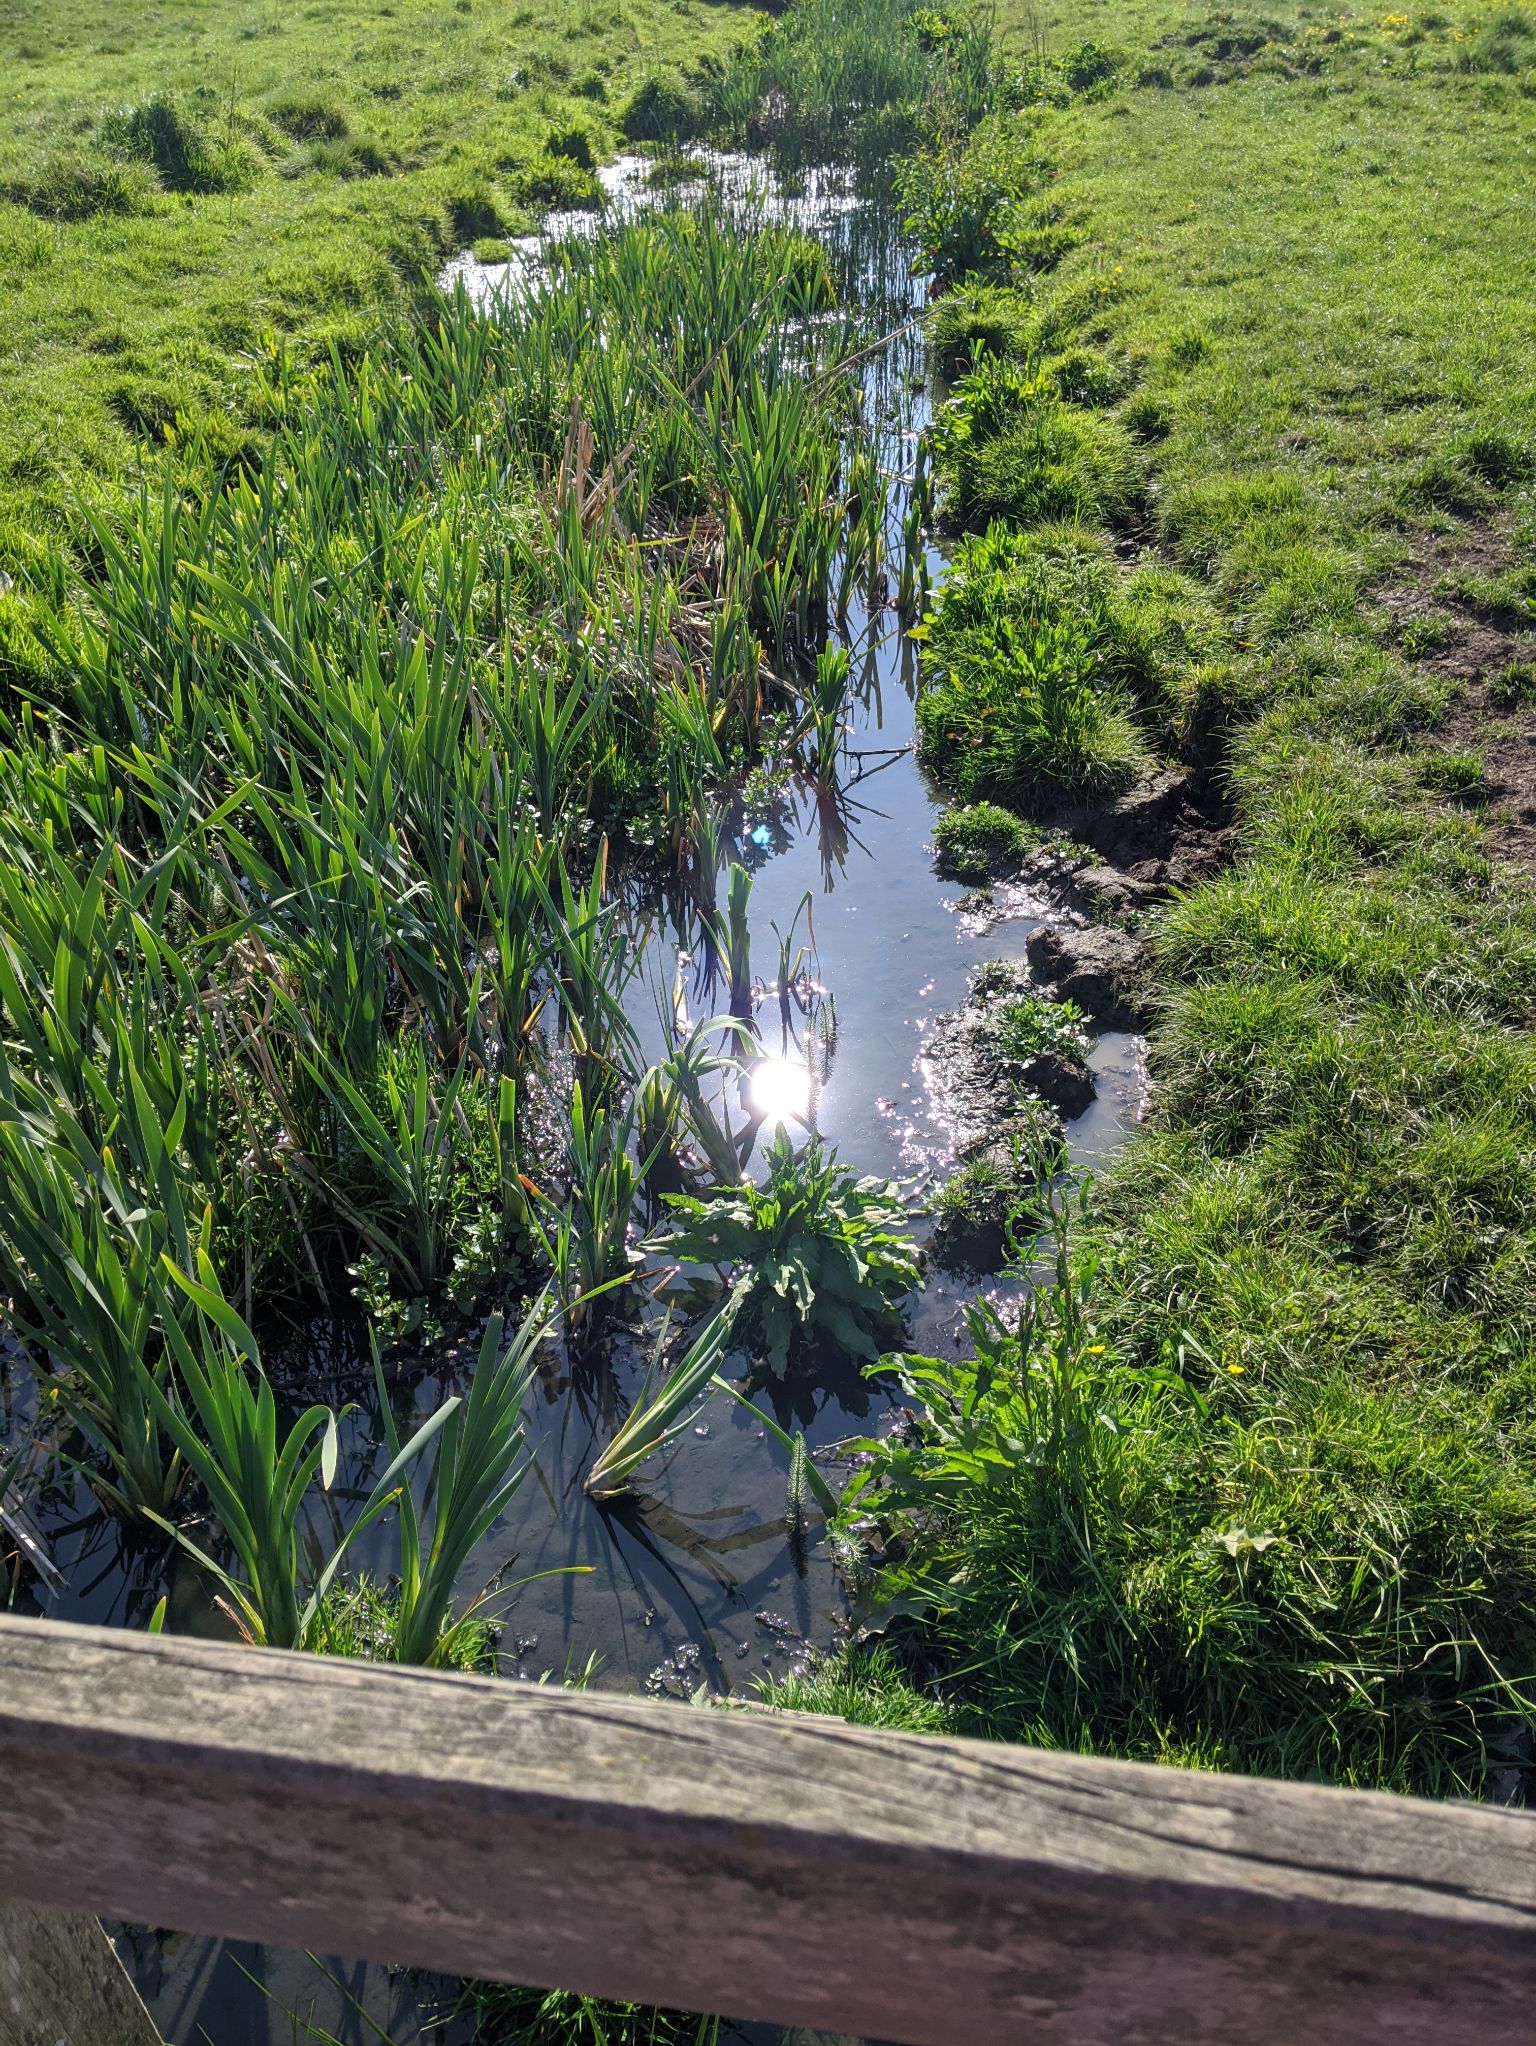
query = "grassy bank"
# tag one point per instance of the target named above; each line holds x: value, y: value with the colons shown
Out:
x: 179, y: 186
x: 1267, y: 1498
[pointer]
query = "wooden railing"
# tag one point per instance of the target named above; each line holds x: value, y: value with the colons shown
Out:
x: 766, y: 1865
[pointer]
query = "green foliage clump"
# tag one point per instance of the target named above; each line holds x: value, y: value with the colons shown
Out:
x: 1180, y: 660
x: 1007, y: 446
x: 975, y: 841
x: 1513, y: 686
x: 476, y: 214
x: 555, y: 183
x: 662, y: 108
x: 865, y: 1686
x: 74, y: 183
x: 1087, y: 376
x: 1459, y: 776
x: 307, y: 117
x: 574, y: 143
x: 163, y: 131
x: 342, y: 156
x: 1025, y: 659
x: 26, y: 667
x: 1089, y: 70
x: 980, y: 319
x: 361, y: 1618
x: 995, y: 1203
x: 825, y: 1255
x: 963, y: 199
x: 504, y: 2015
x: 1505, y: 41
x: 855, y: 80
x: 1326, y: 1578
x: 1468, y: 472
x: 1027, y: 1025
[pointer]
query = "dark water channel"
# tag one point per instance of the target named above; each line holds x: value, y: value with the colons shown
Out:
x: 693, y: 1581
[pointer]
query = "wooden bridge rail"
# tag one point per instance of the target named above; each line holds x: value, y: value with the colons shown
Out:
x: 764, y: 1865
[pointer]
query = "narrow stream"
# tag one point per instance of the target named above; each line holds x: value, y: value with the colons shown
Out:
x: 693, y: 1581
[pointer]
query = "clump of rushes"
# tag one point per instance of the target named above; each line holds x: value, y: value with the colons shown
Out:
x: 855, y: 80
x: 824, y: 1255
x: 349, y: 902
x: 661, y: 1411
x: 978, y: 841
x: 222, y: 1417
x: 1007, y: 445
x: 555, y: 182
x: 662, y: 108
x: 1021, y: 701
x: 360, y: 1619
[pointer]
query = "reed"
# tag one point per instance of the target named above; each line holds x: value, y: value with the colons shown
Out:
x: 662, y: 1408
x: 478, y: 1467
x: 223, y: 1420
x: 312, y: 900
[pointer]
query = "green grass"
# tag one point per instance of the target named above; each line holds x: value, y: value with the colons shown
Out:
x: 867, y: 1687
x: 1318, y: 1560
x: 993, y: 1204
x: 343, y: 139
x: 1307, y: 1576
x: 975, y: 841
x: 503, y: 2015
x: 1025, y: 648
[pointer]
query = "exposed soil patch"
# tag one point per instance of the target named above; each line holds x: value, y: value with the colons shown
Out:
x: 1107, y: 863
x: 1102, y: 969
x: 1466, y: 611
x: 986, y: 1079
x: 1459, y: 606
x: 1506, y: 742
x: 1170, y: 831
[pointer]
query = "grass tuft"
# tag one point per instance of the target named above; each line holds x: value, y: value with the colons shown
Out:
x: 979, y: 841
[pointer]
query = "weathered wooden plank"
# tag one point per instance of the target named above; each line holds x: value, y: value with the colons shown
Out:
x: 61, y: 1983
x: 781, y: 1867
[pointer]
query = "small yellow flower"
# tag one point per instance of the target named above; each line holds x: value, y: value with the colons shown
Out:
x: 1095, y: 1349
x: 1237, y: 1370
